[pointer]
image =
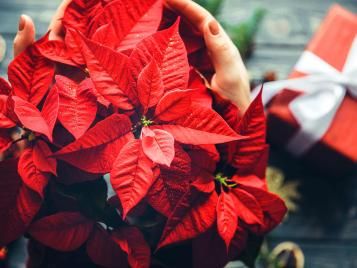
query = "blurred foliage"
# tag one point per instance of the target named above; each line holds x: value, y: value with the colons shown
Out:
x: 287, y: 254
x: 284, y: 255
x: 288, y: 191
x: 213, y: 6
x: 243, y: 33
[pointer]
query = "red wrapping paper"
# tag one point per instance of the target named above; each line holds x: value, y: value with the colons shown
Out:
x: 336, y: 152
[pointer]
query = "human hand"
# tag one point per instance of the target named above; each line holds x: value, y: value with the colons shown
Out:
x: 231, y: 78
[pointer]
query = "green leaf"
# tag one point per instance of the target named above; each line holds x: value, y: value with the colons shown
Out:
x: 212, y: 6
x: 288, y: 191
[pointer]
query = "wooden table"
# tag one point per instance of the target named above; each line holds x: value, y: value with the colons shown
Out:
x: 326, y: 225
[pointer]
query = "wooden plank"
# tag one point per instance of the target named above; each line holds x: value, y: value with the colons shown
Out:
x: 285, y: 30
x: 280, y: 59
x: 286, y: 22
x: 329, y: 254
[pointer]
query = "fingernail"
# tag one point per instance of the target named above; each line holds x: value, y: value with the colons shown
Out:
x: 22, y: 23
x: 214, y: 27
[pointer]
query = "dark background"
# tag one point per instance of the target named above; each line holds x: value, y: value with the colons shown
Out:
x: 326, y: 224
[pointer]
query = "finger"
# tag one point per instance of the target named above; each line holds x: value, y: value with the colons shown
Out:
x: 56, y: 22
x: 224, y: 54
x: 25, y: 35
x: 194, y: 13
x: 231, y: 77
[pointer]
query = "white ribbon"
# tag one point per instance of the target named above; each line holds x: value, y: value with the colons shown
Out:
x: 324, y: 89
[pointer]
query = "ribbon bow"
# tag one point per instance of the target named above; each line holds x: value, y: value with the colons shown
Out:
x: 325, y: 88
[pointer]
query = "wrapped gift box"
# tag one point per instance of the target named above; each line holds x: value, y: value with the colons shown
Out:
x: 335, y: 153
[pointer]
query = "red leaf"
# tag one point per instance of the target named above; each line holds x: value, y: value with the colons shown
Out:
x: 30, y: 117
x: 5, y: 140
x: 171, y: 184
x: 239, y: 242
x: 105, y: 2
x: 132, y: 20
x: 78, y: 105
x: 100, y: 99
x: 203, y: 161
x: 41, y: 159
x: 108, y: 70
x: 109, y: 254
x: 64, y: 231
x: 173, y: 105
x: 132, y: 175
x: 150, y: 86
x: 247, y: 207
x: 9, y: 110
x: 18, y: 204
x: 106, y: 35
x: 250, y: 181
x: 50, y: 110
x: 57, y: 51
x: 132, y: 241
x: 272, y: 205
x: 170, y: 54
x: 79, y: 14
x: 203, y: 168
x: 230, y: 113
x: 146, y: 26
x: 5, y: 88
x: 74, y: 48
x: 194, y: 214
x: 158, y: 145
x: 227, y: 110
x: 31, y: 74
x: 200, y: 59
x: 97, y: 150
x: 202, y: 96
x: 30, y: 174
x: 68, y: 174
x: 193, y: 39
x: 227, y: 219
x: 253, y: 126
x: 201, y: 126
x: 5, y: 121
x: 208, y: 256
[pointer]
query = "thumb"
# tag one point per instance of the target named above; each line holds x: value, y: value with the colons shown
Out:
x: 25, y: 35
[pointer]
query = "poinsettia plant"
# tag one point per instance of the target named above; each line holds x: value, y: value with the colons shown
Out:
x: 124, y: 96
